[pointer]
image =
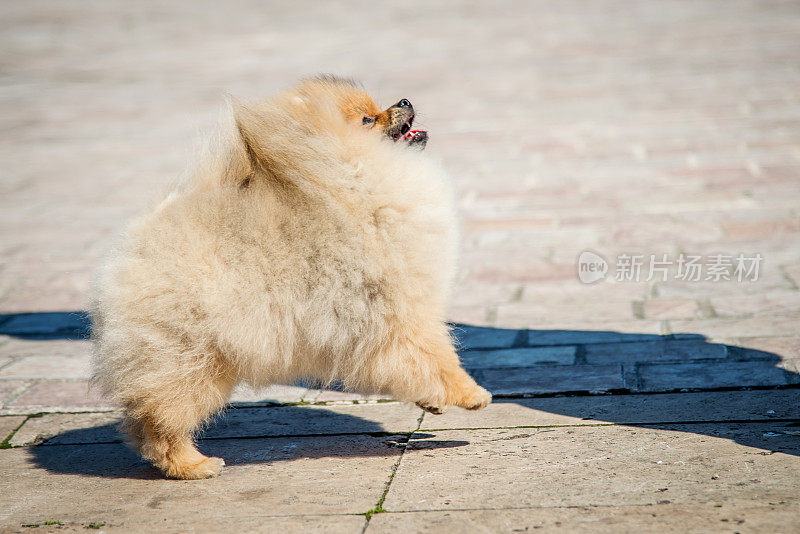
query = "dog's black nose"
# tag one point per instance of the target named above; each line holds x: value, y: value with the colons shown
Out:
x: 404, y: 103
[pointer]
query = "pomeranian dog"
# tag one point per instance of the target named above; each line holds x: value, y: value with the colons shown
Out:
x: 316, y: 241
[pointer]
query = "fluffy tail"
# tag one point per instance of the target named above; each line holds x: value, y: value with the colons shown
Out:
x: 282, y: 141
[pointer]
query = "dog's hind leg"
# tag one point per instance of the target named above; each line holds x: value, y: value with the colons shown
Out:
x: 163, y: 423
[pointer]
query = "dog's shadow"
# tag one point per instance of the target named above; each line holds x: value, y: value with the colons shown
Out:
x: 244, y: 436
x: 241, y: 436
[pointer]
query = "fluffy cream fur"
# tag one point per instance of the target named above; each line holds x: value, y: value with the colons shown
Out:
x: 305, y: 246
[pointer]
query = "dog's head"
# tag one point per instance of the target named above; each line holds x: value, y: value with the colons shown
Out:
x: 359, y: 109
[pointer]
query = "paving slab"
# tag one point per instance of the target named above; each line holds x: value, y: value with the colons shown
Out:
x: 11, y: 388
x: 13, y: 346
x: 718, y: 329
x: 9, y: 424
x: 624, y: 409
x: 659, y: 518
x: 519, y: 357
x: 653, y: 351
x: 670, y: 309
x: 271, y: 476
x: 582, y: 337
x: 551, y: 379
x: 60, y: 429
x: 592, y: 312
x: 255, y: 523
x: 787, y: 347
x: 776, y: 303
x: 69, y: 428
x: 154, y: 522
x: 54, y: 367
x: 624, y: 352
x: 694, y: 349
x: 672, y: 376
x: 58, y: 396
x: 600, y: 466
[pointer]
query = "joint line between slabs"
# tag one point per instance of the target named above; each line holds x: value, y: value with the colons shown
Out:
x: 378, y: 509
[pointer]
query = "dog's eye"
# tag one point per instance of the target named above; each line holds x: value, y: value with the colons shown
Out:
x: 367, y: 120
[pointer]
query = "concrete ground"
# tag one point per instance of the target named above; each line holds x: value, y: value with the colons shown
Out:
x: 646, y: 133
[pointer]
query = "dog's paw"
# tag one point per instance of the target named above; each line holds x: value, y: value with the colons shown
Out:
x: 208, y: 468
x: 477, y: 399
x: 436, y: 410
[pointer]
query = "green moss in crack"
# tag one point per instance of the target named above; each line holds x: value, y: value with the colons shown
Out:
x: 6, y: 443
x: 377, y: 510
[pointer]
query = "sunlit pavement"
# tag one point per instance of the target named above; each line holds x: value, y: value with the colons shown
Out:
x: 628, y: 177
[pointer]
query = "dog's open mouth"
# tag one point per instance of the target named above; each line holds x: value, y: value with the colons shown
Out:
x: 412, y: 137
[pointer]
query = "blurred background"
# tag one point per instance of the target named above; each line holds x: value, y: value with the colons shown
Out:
x: 615, y: 126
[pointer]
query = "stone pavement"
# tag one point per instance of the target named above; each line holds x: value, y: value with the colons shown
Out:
x: 647, y: 133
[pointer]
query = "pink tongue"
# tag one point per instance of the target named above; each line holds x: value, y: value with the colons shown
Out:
x: 409, y: 134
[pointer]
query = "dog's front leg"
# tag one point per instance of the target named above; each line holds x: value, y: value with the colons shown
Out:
x: 427, y: 371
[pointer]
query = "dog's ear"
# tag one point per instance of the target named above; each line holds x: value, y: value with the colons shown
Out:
x: 248, y: 125
x: 279, y: 147
x: 266, y: 141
